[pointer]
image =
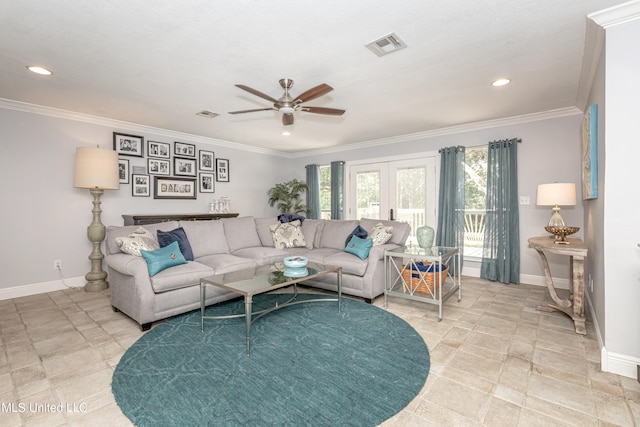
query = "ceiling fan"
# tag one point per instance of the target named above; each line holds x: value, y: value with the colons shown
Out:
x: 288, y: 104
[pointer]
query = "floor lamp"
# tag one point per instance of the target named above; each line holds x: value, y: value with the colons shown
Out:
x: 97, y: 170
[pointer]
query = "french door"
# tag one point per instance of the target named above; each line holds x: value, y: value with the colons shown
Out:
x: 403, y: 190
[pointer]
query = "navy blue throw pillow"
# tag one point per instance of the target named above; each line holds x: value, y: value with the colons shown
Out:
x: 358, y: 231
x: 165, y: 238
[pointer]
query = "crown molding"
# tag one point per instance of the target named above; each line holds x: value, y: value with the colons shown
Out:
x: 134, y: 127
x: 616, y: 15
x: 470, y: 127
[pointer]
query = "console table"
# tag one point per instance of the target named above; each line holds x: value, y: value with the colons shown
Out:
x: 577, y: 252
x: 154, y: 219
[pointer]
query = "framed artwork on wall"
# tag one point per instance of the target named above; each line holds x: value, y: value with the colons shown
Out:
x: 207, y: 182
x: 161, y: 150
x: 205, y: 162
x: 183, y: 149
x: 123, y: 171
x: 128, y: 145
x: 222, y: 170
x: 590, y: 153
x: 184, y: 167
x: 174, y: 188
x: 141, y: 185
x: 159, y: 167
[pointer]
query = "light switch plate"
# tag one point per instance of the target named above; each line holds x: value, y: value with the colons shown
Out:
x: 524, y: 200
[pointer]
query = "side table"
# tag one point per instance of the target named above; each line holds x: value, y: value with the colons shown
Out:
x: 577, y: 252
x: 400, y: 260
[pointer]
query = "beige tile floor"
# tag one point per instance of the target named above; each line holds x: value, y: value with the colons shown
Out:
x: 495, y: 361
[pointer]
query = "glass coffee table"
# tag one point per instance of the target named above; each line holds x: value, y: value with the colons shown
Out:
x: 264, y: 279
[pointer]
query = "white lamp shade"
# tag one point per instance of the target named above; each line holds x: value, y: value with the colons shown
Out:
x: 96, y: 168
x: 562, y: 194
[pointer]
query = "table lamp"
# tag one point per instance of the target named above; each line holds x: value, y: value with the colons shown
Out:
x: 97, y: 170
x: 556, y: 195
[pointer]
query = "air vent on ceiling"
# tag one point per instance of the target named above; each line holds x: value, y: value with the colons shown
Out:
x: 209, y: 114
x: 386, y: 45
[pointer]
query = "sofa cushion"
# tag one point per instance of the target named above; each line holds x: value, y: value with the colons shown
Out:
x: 181, y: 276
x: 140, y: 239
x: 163, y: 258
x: 206, y: 237
x: 312, y: 228
x: 350, y: 264
x: 114, y: 231
x: 401, y: 230
x: 335, y: 233
x: 224, y: 263
x: 262, y: 255
x: 359, y: 247
x: 317, y: 255
x: 165, y: 238
x: 288, y: 235
x: 264, y: 231
x: 241, y: 233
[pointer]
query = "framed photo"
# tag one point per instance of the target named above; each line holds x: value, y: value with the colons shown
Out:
x: 123, y: 171
x: 128, y: 145
x: 161, y: 150
x: 207, y: 182
x: 183, y: 149
x: 222, y: 170
x: 174, y: 188
x: 159, y: 167
x: 205, y: 162
x: 590, y: 153
x: 141, y: 185
x: 184, y: 167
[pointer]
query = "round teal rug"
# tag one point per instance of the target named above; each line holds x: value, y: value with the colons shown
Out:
x: 309, y: 366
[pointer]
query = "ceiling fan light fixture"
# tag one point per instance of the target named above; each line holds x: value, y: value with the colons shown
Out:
x: 39, y: 70
x: 287, y: 110
x: 501, y: 82
x: 286, y: 133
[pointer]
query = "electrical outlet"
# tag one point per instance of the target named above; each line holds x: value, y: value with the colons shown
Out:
x: 57, y: 264
x: 591, y: 283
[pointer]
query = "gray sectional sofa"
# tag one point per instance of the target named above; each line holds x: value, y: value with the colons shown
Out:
x: 232, y: 244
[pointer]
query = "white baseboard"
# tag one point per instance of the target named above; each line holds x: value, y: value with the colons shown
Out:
x: 528, y: 279
x: 619, y: 364
x: 41, y: 288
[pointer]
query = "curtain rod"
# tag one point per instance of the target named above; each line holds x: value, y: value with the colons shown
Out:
x: 519, y: 140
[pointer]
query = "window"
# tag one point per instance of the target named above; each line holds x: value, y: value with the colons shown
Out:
x: 325, y: 192
x: 475, y: 197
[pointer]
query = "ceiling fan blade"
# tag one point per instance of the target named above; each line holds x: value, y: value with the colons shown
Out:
x: 323, y: 110
x: 251, y: 111
x: 287, y: 119
x: 313, y: 93
x: 257, y: 93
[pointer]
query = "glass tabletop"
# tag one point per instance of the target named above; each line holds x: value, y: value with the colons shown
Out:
x: 412, y: 250
x: 252, y: 281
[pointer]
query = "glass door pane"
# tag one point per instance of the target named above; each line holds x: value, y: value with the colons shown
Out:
x: 368, y: 196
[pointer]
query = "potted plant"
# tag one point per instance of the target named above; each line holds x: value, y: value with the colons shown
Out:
x: 286, y: 197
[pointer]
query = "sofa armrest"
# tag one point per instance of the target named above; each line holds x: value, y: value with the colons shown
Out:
x: 127, y: 264
x: 377, y: 252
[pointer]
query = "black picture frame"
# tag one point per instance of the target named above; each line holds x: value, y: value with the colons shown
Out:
x: 140, y: 185
x: 128, y: 145
x: 123, y: 171
x: 158, y: 150
x: 206, y: 160
x: 174, y: 188
x: 185, y: 167
x: 222, y: 170
x: 158, y: 166
x: 184, y: 150
x: 207, y: 182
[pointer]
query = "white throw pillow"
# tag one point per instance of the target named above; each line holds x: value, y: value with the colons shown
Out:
x: 288, y: 235
x: 381, y: 234
x: 139, y: 239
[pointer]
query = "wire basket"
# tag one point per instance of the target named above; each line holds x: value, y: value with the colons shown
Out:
x: 412, y: 274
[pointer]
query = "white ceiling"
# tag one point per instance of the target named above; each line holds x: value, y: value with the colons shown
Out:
x: 158, y: 63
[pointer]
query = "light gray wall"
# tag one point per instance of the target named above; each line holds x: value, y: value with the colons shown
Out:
x: 621, y: 203
x: 550, y: 152
x: 45, y: 218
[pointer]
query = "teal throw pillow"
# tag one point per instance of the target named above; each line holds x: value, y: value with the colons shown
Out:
x: 163, y: 258
x: 359, y: 247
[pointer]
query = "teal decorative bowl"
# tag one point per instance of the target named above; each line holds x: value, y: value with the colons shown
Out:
x: 295, y: 261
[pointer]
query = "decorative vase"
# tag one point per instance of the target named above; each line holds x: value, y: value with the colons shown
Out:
x: 425, y: 235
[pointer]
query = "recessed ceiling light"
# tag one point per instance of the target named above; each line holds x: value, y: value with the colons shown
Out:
x: 208, y: 114
x: 39, y: 70
x: 501, y: 82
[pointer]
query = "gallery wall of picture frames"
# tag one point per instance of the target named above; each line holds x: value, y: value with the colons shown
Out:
x: 178, y: 173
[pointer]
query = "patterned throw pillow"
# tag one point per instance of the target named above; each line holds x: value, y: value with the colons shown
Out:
x: 139, y: 239
x: 288, y: 235
x: 381, y: 234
